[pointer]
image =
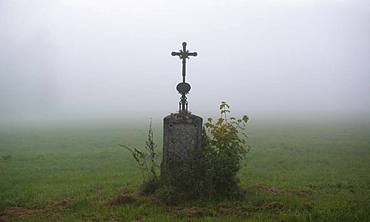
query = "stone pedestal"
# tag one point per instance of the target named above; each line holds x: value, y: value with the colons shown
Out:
x: 182, y: 138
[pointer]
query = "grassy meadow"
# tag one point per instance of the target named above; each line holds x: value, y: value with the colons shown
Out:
x: 295, y: 171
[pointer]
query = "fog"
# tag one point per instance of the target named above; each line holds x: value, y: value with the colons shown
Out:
x: 75, y: 59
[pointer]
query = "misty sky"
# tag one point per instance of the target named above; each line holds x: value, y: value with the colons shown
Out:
x: 78, y: 58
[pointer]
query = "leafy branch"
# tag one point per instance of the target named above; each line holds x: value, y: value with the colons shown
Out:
x: 147, y: 159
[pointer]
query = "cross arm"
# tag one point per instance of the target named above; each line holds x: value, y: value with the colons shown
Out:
x: 175, y: 53
x: 192, y: 54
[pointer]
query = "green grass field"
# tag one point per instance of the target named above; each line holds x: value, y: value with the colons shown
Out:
x: 296, y: 171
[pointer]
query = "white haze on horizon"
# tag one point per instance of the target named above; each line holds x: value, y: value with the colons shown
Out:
x: 76, y: 59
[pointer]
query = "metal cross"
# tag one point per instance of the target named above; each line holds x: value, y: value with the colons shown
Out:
x: 183, y: 87
x: 184, y: 54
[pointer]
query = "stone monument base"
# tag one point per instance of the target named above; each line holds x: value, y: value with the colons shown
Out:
x: 182, y: 139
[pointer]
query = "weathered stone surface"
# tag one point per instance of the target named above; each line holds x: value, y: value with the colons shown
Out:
x: 182, y: 137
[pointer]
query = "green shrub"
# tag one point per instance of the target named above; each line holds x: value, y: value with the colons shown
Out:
x: 224, y: 146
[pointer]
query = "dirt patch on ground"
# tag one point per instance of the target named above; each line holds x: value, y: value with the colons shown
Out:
x: 191, y: 212
x: 12, y: 212
x: 301, y: 193
x: 237, y: 211
x: 126, y: 198
x: 137, y: 219
x: 20, y: 211
x: 269, y: 188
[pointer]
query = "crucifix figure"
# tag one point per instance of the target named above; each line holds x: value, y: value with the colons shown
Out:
x: 183, y: 87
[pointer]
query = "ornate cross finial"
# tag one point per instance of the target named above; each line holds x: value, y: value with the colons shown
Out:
x: 184, y: 54
x: 183, y: 87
